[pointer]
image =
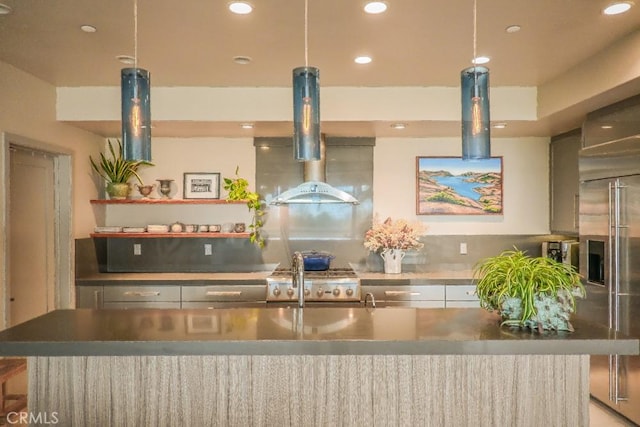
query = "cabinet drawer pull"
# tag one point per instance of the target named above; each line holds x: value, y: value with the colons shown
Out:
x: 398, y: 293
x: 224, y: 293
x: 142, y: 294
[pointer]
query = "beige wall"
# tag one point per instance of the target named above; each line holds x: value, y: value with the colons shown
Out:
x: 27, y: 108
x: 525, y: 185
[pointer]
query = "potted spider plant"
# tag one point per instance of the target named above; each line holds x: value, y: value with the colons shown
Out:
x: 531, y: 292
x: 117, y: 171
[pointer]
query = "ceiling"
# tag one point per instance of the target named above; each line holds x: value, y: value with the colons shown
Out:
x: 415, y: 43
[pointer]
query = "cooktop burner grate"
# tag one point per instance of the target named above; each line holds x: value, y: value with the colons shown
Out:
x: 330, y: 273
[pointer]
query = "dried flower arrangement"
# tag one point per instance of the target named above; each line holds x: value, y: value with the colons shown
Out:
x: 399, y: 234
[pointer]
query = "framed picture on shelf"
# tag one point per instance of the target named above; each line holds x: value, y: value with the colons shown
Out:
x: 452, y: 186
x: 201, y: 185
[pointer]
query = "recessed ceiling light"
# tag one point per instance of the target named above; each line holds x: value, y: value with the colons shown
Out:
x: 375, y: 7
x: 606, y: 127
x: 126, y: 59
x: 362, y: 59
x: 499, y: 125
x: 513, y: 28
x: 399, y: 126
x: 240, y: 7
x: 617, y: 8
x: 246, y: 125
x: 4, y: 9
x: 88, y: 28
x: 242, y: 60
x: 480, y: 60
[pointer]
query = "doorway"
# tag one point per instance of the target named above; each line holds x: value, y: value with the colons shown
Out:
x: 35, y: 211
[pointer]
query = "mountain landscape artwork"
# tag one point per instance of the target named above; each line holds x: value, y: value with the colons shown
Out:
x: 452, y: 186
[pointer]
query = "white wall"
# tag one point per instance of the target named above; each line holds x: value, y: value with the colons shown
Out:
x: 525, y: 185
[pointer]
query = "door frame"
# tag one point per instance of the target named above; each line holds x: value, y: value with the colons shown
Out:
x: 63, y: 220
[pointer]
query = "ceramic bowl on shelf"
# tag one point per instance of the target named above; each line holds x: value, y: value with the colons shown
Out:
x: 203, y: 228
x: 215, y: 228
x: 157, y: 228
x: 227, y: 227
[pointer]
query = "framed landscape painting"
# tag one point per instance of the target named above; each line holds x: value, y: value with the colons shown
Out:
x: 452, y: 186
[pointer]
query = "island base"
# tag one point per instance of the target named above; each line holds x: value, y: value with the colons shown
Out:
x: 346, y: 390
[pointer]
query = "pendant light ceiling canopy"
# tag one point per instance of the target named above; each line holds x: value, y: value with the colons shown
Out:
x: 474, y: 83
x: 136, y: 105
x: 306, y: 104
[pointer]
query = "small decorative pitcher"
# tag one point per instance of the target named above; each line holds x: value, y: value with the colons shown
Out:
x: 392, y: 260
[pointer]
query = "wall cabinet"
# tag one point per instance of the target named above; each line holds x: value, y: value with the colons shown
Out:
x: 564, y: 182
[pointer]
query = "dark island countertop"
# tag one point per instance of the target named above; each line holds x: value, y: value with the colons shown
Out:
x: 310, y: 331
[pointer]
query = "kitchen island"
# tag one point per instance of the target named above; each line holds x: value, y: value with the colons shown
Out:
x: 315, y: 366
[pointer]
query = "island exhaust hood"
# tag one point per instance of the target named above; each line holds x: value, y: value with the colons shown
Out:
x: 314, y: 189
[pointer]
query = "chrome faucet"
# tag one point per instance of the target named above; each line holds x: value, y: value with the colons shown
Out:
x: 297, y: 273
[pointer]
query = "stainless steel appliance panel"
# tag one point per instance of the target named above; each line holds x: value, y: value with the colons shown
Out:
x: 610, y: 265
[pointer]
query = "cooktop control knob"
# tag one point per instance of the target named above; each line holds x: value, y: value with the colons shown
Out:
x: 290, y: 292
x: 276, y: 291
x: 349, y: 292
x: 320, y: 292
x: 336, y: 292
x: 307, y: 292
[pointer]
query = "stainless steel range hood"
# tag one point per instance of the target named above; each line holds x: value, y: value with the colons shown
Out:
x: 314, y: 189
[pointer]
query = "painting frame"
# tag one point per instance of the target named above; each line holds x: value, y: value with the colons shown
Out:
x: 201, y: 185
x: 448, y: 185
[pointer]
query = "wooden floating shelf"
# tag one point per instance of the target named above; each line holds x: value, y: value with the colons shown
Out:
x: 167, y: 202
x: 146, y: 235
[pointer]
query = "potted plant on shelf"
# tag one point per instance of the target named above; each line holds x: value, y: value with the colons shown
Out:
x: 534, y: 292
x: 391, y: 239
x: 238, y: 190
x: 117, y: 171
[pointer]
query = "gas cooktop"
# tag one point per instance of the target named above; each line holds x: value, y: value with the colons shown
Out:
x: 332, y: 285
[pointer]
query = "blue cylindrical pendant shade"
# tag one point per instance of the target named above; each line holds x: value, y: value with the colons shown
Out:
x: 476, y: 131
x: 136, y: 114
x: 306, y: 113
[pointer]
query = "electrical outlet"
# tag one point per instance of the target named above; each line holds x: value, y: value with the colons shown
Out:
x: 208, y: 250
x: 463, y: 248
x: 137, y: 249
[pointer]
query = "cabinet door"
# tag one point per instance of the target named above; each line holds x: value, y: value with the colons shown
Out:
x: 127, y: 294
x: 88, y: 296
x: 565, y: 182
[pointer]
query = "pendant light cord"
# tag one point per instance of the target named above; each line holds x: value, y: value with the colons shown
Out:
x: 306, y: 33
x: 475, y: 42
x: 135, y: 33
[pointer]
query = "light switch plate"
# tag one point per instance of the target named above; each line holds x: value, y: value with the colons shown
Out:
x: 137, y: 249
x: 463, y: 248
x: 208, y: 250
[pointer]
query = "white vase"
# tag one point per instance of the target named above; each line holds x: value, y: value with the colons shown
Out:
x: 392, y: 260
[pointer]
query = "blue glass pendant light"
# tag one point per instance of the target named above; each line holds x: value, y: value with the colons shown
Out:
x: 306, y: 114
x: 136, y: 114
x: 476, y: 131
x: 306, y: 105
x: 136, y: 105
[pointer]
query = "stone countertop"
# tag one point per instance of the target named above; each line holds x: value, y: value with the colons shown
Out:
x: 310, y: 331
x: 447, y: 277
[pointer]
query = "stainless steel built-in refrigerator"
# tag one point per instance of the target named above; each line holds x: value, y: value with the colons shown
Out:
x: 610, y: 263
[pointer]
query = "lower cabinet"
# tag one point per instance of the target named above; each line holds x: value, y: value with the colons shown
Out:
x: 461, y: 296
x: 422, y: 296
x: 418, y: 296
x: 123, y: 297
